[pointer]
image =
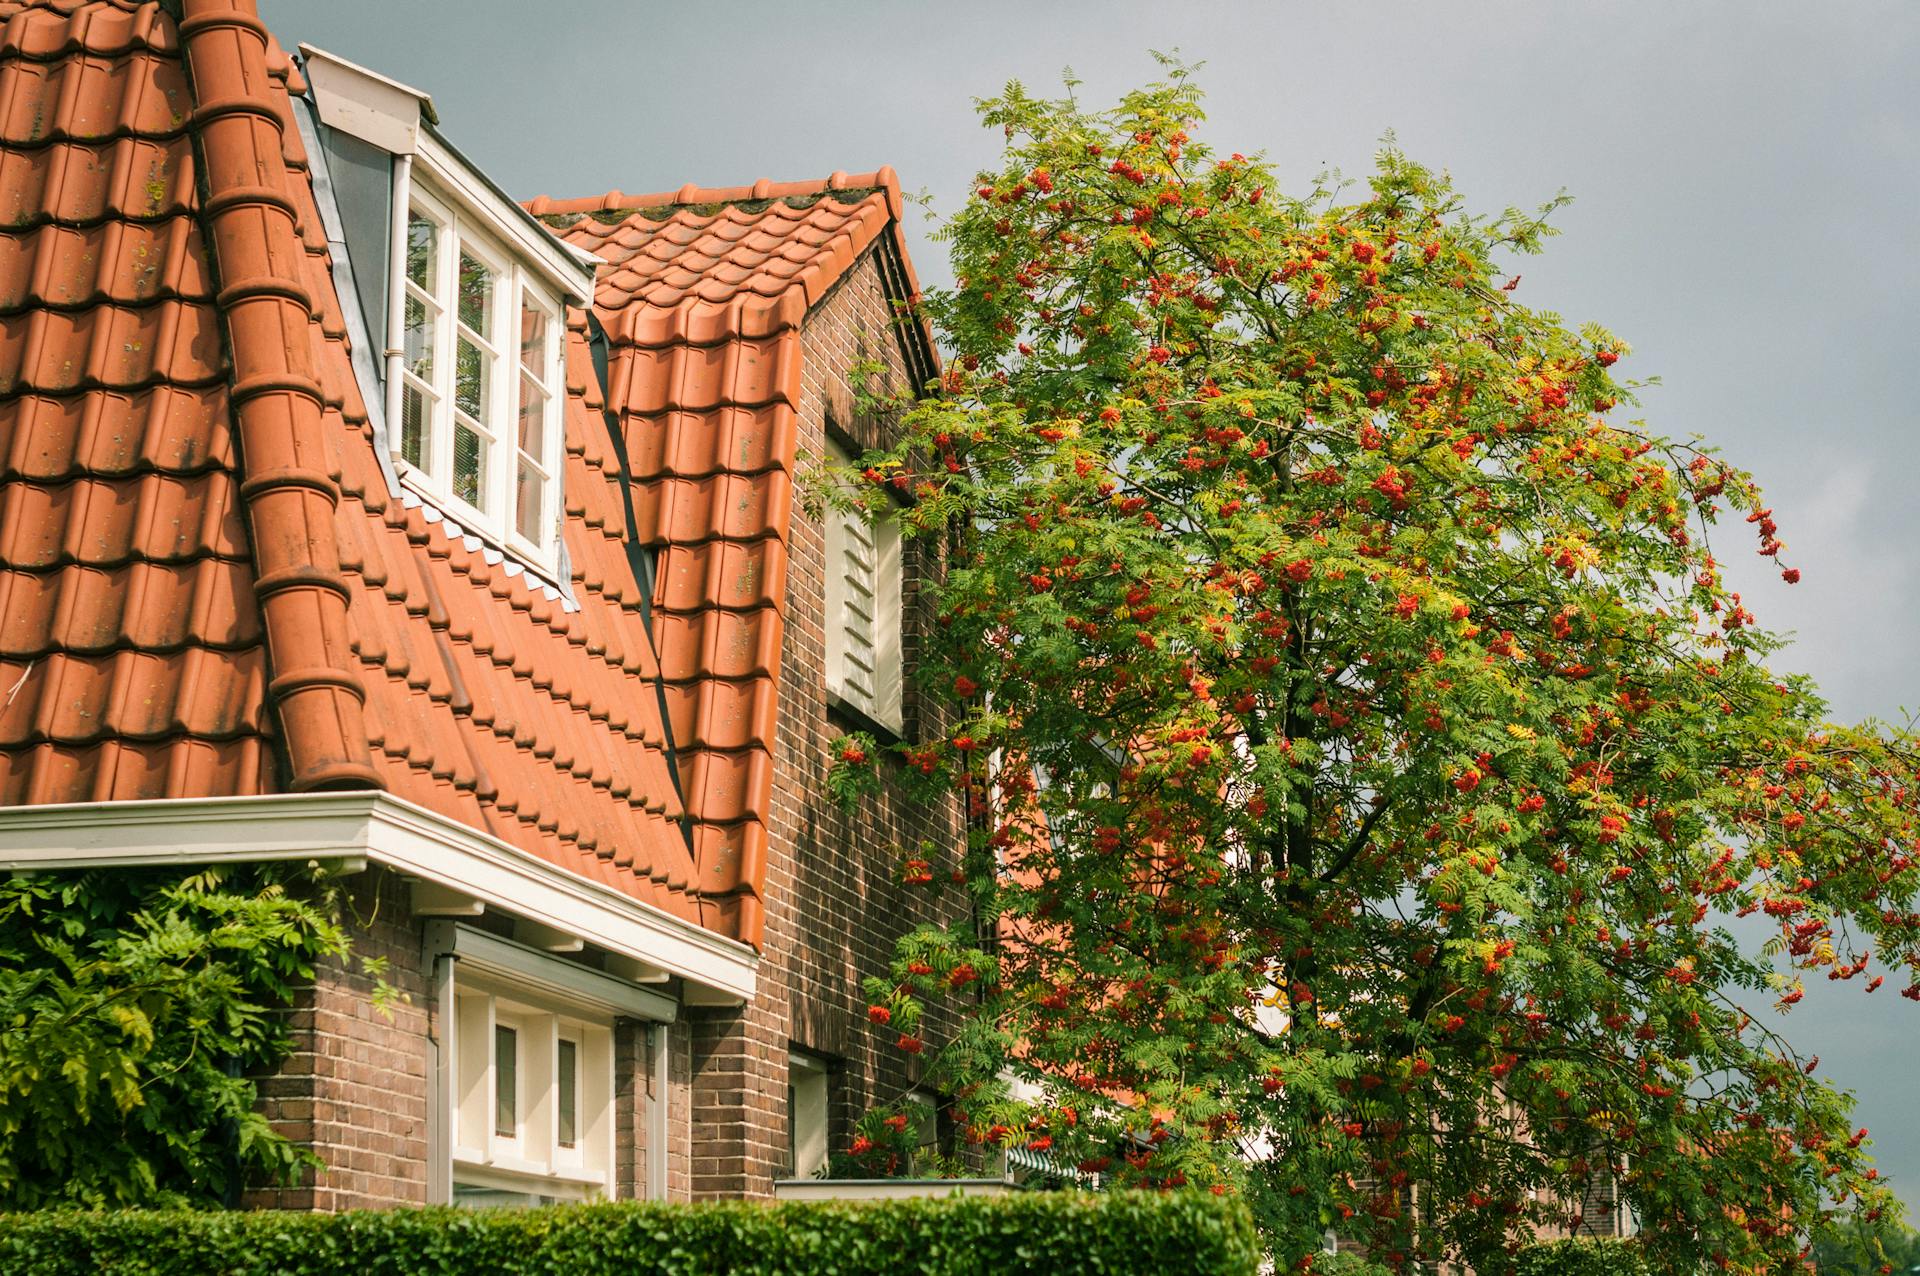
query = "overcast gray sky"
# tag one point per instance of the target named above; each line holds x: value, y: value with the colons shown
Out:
x: 1747, y: 215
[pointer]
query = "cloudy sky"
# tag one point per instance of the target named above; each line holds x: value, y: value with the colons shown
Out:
x: 1746, y: 180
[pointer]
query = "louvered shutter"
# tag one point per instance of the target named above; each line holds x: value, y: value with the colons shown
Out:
x: 863, y: 612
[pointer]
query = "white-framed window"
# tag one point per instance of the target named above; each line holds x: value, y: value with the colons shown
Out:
x: 532, y: 1102
x: 864, y: 610
x: 923, y: 1113
x: 479, y: 429
x: 808, y: 1110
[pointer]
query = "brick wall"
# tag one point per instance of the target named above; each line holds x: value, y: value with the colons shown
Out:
x: 355, y: 1088
x: 834, y: 905
x: 633, y: 1104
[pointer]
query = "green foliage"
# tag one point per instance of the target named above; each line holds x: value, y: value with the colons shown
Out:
x: 1055, y: 1232
x: 853, y: 773
x: 1853, y: 1250
x: 133, y: 1006
x: 1346, y: 1265
x: 1581, y: 1258
x: 1365, y: 744
x: 886, y: 1145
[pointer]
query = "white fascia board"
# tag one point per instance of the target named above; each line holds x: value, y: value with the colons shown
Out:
x: 561, y: 266
x: 548, y: 977
x: 365, y: 103
x: 382, y: 829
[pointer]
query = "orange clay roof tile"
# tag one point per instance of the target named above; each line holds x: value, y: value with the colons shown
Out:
x: 206, y: 587
x: 703, y: 299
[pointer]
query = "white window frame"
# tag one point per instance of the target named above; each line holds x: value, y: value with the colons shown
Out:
x: 515, y: 286
x: 529, y: 1161
x: 864, y: 667
x: 483, y: 982
x: 809, y: 1113
x: 926, y: 1135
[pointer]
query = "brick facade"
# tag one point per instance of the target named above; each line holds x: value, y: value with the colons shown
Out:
x: 834, y: 902
x: 355, y: 1088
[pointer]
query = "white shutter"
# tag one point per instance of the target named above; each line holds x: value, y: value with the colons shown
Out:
x: 886, y: 623
x: 858, y: 612
x: 863, y: 612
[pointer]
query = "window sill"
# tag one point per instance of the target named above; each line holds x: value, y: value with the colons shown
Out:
x: 846, y: 712
x: 512, y: 1174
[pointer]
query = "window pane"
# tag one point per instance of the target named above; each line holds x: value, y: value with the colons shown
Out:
x: 567, y: 1084
x: 506, y: 1095
x: 470, y: 370
x: 533, y: 420
x: 423, y: 241
x: 476, y: 294
x: 419, y: 339
x: 415, y: 413
x: 533, y: 340
x: 530, y: 492
x: 469, y: 467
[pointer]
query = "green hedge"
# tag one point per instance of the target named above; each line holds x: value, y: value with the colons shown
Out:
x: 1581, y: 1258
x: 1111, y: 1234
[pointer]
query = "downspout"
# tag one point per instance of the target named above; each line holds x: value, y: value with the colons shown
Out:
x: 397, y: 296
x: 440, y: 1069
x: 658, y: 1125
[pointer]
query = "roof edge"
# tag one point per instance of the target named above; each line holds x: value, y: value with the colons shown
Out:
x: 883, y: 179
x: 377, y: 827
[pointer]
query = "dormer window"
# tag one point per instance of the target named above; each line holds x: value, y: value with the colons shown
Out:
x: 471, y: 320
x: 479, y: 411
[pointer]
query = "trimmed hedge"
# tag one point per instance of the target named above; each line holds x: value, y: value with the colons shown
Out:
x: 1116, y: 1234
x: 1581, y: 1258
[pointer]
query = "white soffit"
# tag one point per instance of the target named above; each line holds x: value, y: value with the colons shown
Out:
x: 365, y: 103
x: 379, y: 828
x: 547, y: 976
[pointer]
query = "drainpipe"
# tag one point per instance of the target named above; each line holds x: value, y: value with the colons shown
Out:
x: 659, y: 1128
x: 397, y: 296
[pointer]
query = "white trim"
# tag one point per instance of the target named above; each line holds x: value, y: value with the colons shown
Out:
x: 366, y: 375
x: 514, y: 287
x: 552, y: 979
x: 365, y: 103
x: 399, y: 119
x: 564, y: 272
x: 382, y: 829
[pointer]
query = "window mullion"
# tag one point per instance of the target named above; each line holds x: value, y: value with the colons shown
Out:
x: 445, y: 336
x: 506, y: 387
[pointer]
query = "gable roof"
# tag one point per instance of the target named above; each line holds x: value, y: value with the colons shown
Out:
x: 206, y: 586
x: 703, y: 301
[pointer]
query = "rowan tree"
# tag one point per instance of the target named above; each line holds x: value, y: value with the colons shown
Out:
x: 1365, y: 746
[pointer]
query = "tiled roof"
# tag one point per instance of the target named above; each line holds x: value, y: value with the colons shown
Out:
x: 703, y: 300
x: 206, y: 588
